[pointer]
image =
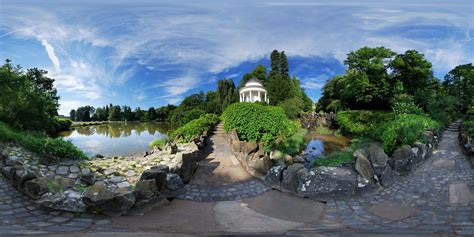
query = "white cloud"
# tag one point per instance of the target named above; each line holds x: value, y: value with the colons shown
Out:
x: 314, y: 83
x: 52, y: 56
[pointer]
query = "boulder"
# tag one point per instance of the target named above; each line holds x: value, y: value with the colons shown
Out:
x: 298, y: 159
x: 322, y: 182
x: 174, y: 185
x: 363, y: 166
x: 378, y: 158
x: 88, y: 178
x: 249, y: 148
x: 403, y: 159
x: 22, y: 175
x: 35, y: 188
x: 388, y: 176
x: 260, y: 165
x: 185, y: 166
x: 8, y: 172
x: 123, y: 200
x: 96, y: 195
x: 158, y: 173
x: 276, y: 155
x: 274, y: 177
x: 145, y: 189
x: 171, y: 148
x: 290, y: 181
x: 68, y: 200
x: 12, y: 160
x: 422, y: 150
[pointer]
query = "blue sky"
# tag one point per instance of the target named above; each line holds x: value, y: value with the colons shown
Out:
x: 151, y: 53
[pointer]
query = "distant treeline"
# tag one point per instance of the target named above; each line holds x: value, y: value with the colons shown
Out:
x: 120, y: 113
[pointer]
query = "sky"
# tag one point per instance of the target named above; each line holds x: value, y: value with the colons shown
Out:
x: 151, y: 53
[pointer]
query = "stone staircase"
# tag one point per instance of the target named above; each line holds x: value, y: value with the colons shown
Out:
x: 454, y: 127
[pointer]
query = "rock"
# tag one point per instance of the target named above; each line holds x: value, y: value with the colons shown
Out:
x: 171, y: 148
x: 185, y: 166
x: 328, y: 181
x: 62, y: 170
x: 363, y: 166
x: 35, y: 188
x: 99, y: 156
x: 388, y: 176
x: 69, y: 200
x: 145, y: 189
x: 11, y: 160
x: 8, y: 172
x: 290, y: 180
x: 124, y: 184
x: 259, y: 165
x: 298, y: 159
x: 422, y: 150
x: 274, y: 177
x: 276, y: 155
x: 96, y: 195
x: 378, y: 158
x: 158, y: 173
x: 249, y: 148
x: 174, y: 185
x: 402, y: 159
x: 88, y: 178
x: 130, y: 173
x: 22, y: 175
x: 123, y: 200
x: 74, y: 169
x: 64, y: 182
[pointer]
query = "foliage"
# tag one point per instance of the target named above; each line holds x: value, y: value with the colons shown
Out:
x: 363, y: 122
x: 158, y: 143
x: 292, y: 145
x: 405, y: 130
x: 255, y: 122
x: 336, y: 158
x: 375, y: 76
x: 323, y: 130
x: 195, y: 128
x: 443, y: 108
x: 293, y: 107
x: 28, y: 100
x: 404, y: 104
x: 182, y: 115
x: 459, y: 83
x: 49, y: 148
x: 226, y: 94
x: 62, y: 124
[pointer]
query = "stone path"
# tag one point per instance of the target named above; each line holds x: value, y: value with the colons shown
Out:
x: 220, y: 177
x: 435, y: 198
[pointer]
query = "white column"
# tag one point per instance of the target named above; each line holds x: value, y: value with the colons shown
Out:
x: 265, y: 95
x: 240, y: 97
x: 259, y: 98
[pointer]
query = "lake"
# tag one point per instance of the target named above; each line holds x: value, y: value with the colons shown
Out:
x: 117, y: 138
x: 319, y: 146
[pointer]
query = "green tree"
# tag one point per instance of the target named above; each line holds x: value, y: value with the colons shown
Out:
x: 459, y: 82
x: 83, y: 113
x: 72, y: 114
x: 284, y: 68
x: 151, y: 114
x: 115, y: 113
x: 226, y: 93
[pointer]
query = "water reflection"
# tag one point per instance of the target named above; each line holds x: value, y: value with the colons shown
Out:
x: 116, y: 139
x: 319, y: 146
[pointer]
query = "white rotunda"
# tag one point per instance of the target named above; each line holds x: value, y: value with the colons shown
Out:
x: 253, y: 91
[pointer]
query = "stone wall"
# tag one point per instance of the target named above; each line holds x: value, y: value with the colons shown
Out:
x: 250, y: 155
x: 467, y: 144
x: 321, y: 119
x: 372, y: 169
x: 109, y: 185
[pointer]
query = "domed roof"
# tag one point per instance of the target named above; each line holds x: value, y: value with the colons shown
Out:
x: 254, y: 83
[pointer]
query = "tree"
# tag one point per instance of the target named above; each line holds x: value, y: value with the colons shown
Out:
x: 128, y: 115
x: 83, y: 113
x: 151, y: 114
x: 275, y: 63
x: 226, y: 93
x: 259, y: 73
x: 115, y: 113
x: 459, y: 82
x: 284, y: 68
x: 140, y: 114
x: 72, y: 114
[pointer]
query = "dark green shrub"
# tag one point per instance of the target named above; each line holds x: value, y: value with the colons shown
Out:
x: 195, y: 128
x: 181, y: 115
x: 255, y: 122
x: 292, y: 145
x: 336, y: 158
x: 50, y: 149
x: 363, y: 122
x: 406, y: 130
x: 293, y: 107
x: 62, y: 124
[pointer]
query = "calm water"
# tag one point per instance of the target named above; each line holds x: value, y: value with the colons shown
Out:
x: 117, y: 139
x: 320, y: 145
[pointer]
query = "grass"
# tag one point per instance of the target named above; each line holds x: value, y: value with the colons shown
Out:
x: 80, y: 124
x: 158, y: 143
x: 323, y: 131
x: 50, y: 149
x: 334, y: 159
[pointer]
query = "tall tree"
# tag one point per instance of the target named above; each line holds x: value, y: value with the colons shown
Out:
x: 226, y: 93
x: 284, y: 68
x: 459, y: 82
x: 72, y: 114
x: 115, y: 113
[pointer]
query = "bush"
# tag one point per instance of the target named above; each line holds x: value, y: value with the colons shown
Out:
x: 256, y: 122
x: 62, y: 124
x: 158, y: 143
x: 292, y: 145
x: 336, y: 158
x: 51, y: 149
x: 406, y: 108
x: 181, y: 115
x: 364, y: 123
x: 293, y: 107
x: 406, y: 130
x: 443, y: 109
x: 195, y: 128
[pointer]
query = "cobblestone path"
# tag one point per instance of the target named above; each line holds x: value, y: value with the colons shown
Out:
x: 435, y: 198
x: 220, y: 177
x: 20, y: 215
